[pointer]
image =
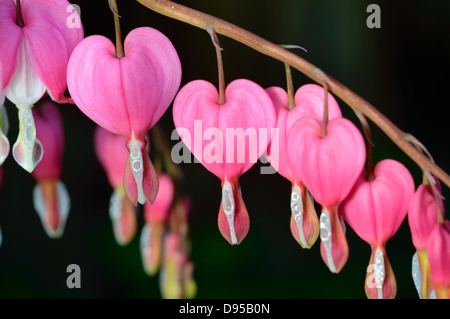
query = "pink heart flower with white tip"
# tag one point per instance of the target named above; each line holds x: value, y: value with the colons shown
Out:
x: 438, y: 251
x: 156, y: 216
x: 33, y: 61
x: 309, y: 102
x: 423, y: 216
x: 112, y: 154
x: 329, y: 167
x: 375, y: 209
x: 50, y: 197
x: 239, y: 120
x: 238, y: 133
x: 127, y: 95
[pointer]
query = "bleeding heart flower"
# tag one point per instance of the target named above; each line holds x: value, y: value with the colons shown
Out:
x: 127, y: 96
x: 50, y: 197
x: 112, y: 154
x: 329, y: 167
x: 422, y: 218
x: 239, y: 131
x: 375, y: 209
x: 309, y: 102
x: 155, y: 216
x: 33, y: 60
x: 438, y: 251
x: 176, y: 273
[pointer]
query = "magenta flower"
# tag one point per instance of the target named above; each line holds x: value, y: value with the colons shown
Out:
x: 127, y: 96
x: 33, y: 60
x: 308, y: 103
x: 155, y: 216
x: 375, y: 210
x: 329, y: 167
x: 50, y: 197
x: 422, y: 219
x: 438, y: 251
x: 112, y: 154
x: 176, y: 280
x: 239, y: 132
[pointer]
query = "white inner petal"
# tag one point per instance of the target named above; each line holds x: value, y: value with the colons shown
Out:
x: 228, y: 208
x: 25, y: 87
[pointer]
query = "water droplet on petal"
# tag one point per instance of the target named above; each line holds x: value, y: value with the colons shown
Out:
x: 228, y: 208
x: 325, y: 237
x: 137, y: 167
x: 297, y: 210
x: 379, y: 271
x: 27, y: 150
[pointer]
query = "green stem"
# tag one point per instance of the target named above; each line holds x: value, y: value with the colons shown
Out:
x: 119, y: 45
x: 202, y: 20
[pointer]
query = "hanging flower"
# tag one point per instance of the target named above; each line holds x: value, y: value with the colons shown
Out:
x: 127, y: 95
x: 156, y: 216
x: 438, y: 251
x: 50, y: 197
x: 112, y: 154
x: 375, y: 209
x: 239, y: 131
x: 33, y: 61
x: 329, y: 166
x: 309, y: 102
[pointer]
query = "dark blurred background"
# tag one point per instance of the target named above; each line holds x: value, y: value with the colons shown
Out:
x: 401, y: 68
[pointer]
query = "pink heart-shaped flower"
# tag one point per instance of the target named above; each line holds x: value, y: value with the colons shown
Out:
x: 127, y: 96
x: 227, y: 139
x: 216, y: 134
x: 375, y: 210
x: 328, y: 166
x: 309, y: 102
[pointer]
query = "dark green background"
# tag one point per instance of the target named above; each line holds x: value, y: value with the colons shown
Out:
x: 401, y: 68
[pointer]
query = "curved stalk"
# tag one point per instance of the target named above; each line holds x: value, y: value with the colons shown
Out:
x: 203, y: 21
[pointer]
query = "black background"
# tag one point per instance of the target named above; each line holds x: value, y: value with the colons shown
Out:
x: 401, y: 68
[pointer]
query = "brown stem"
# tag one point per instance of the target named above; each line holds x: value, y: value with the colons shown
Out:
x: 290, y: 87
x: 202, y: 20
x: 19, y: 17
x: 119, y: 45
x: 222, y: 99
x: 323, y: 131
x: 369, y: 146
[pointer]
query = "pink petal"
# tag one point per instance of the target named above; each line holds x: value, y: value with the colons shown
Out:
x: 50, y: 41
x: 422, y: 216
x: 112, y: 153
x: 328, y: 166
x: 123, y: 217
x: 150, y: 182
x: 159, y: 210
x: 376, y: 209
x: 50, y: 131
x: 129, y: 95
x: 309, y: 103
x: 10, y: 34
x: 241, y: 224
x: 438, y: 250
x: 248, y: 110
